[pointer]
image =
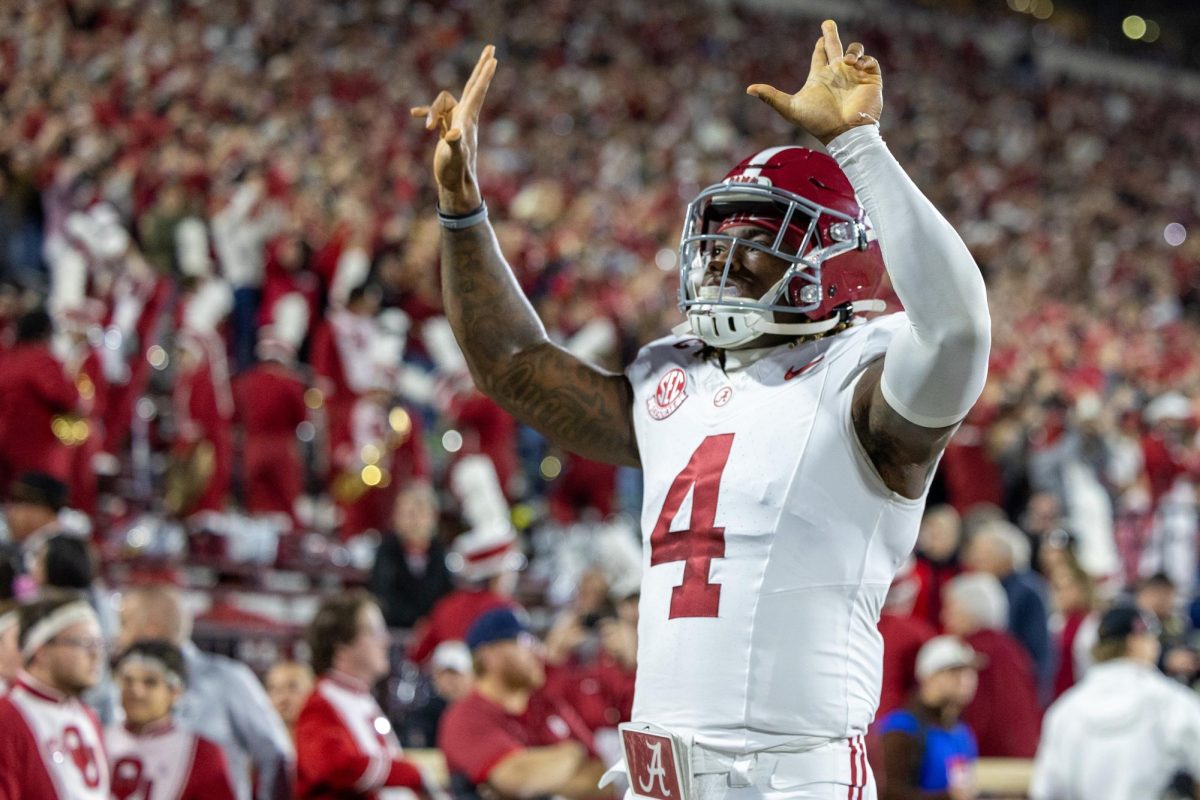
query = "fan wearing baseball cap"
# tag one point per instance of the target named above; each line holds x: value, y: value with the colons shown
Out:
x: 1125, y: 730
x: 509, y: 733
x: 928, y: 751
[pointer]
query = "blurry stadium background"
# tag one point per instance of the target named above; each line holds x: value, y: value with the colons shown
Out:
x: 193, y: 188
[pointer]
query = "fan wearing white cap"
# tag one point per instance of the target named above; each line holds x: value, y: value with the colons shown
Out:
x: 51, y: 747
x: 928, y: 751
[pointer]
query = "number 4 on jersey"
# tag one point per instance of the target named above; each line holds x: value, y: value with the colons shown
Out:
x: 702, y: 541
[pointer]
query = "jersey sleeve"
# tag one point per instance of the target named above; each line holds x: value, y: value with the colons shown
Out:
x: 328, y: 756
x: 209, y: 778
x: 474, y: 746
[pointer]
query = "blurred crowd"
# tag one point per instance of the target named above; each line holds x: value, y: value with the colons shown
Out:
x: 220, y: 316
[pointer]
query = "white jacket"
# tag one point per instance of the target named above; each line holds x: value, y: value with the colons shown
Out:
x: 1120, y: 734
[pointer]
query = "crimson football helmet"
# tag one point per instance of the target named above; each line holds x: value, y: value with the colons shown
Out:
x: 835, y: 268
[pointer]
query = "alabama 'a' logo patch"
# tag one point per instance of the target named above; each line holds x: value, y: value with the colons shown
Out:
x: 670, y: 394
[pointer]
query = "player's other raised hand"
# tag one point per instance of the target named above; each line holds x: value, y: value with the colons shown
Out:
x: 844, y: 89
x: 457, y: 124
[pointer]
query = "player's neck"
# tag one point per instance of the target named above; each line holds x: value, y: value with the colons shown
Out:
x: 514, y: 701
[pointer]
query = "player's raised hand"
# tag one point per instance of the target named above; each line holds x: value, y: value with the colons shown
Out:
x: 457, y: 124
x: 844, y: 89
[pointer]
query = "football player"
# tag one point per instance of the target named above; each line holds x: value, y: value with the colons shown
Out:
x: 787, y: 436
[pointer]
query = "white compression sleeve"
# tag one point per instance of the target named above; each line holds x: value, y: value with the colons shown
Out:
x: 935, y: 368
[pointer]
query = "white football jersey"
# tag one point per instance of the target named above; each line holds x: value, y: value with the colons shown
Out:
x: 769, y: 542
x: 151, y: 766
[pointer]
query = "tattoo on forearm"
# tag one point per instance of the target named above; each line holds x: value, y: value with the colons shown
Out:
x: 577, y: 405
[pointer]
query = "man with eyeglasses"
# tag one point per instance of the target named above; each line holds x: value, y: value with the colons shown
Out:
x: 50, y: 742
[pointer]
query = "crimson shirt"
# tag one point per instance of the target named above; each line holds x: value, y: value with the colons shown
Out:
x: 600, y: 692
x: 34, y: 390
x: 345, y: 746
x: 476, y: 734
x: 269, y: 402
x: 1005, y: 714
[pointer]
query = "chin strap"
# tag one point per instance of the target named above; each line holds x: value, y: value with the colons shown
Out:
x: 761, y: 325
x: 821, y: 326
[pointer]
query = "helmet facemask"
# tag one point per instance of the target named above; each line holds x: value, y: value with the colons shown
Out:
x: 806, y: 236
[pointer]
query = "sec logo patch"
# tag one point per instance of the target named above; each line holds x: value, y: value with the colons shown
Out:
x: 723, y: 396
x: 669, y: 395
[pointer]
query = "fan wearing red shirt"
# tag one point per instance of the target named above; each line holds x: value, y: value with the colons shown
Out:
x: 34, y: 391
x: 345, y: 746
x: 507, y: 734
x: 149, y: 756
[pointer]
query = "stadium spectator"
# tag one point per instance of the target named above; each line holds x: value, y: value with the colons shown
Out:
x: 242, y: 223
x: 1124, y: 731
x: 1041, y: 520
x: 452, y: 670
x: 452, y: 676
x: 485, y: 564
x: 506, y: 734
x: 999, y: 548
x: 35, y: 391
x: 224, y: 701
x: 591, y: 663
x: 202, y: 404
x: 346, y: 746
x: 938, y: 543
x: 1005, y: 714
x: 288, y: 684
x: 1074, y: 602
x: 51, y: 746
x: 929, y: 753
x: 410, y: 575
x: 1158, y: 595
x: 269, y: 404
x: 34, y: 502
x: 903, y: 635
x: 150, y: 756
x: 66, y: 562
